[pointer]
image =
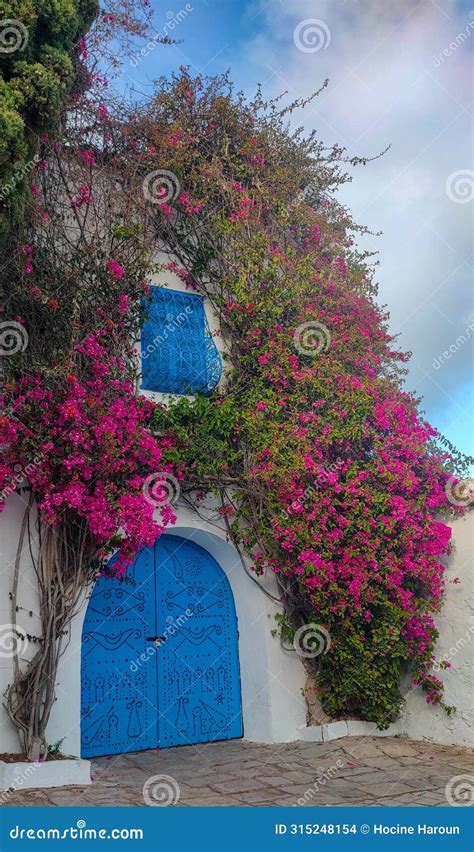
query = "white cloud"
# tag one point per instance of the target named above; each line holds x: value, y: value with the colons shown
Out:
x: 388, y: 87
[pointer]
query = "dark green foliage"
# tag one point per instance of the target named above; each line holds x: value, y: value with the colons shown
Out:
x: 37, y: 68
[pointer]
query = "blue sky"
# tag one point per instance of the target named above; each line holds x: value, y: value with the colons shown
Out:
x: 400, y: 75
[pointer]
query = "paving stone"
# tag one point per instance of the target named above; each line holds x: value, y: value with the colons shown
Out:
x: 205, y: 790
x: 386, y: 771
x: 298, y: 777
x: 352, y: 793
x: 403, y: 801
x: 387, y: 788
x: 264, y: 796
x: 459, y: 766
x: 419, y: 760
x: 254, y: 765
x: 294, y: 766
x: 364, y: 749
x: 397, y: 748
x: 201, y: 781
x: 216, y: 802
x: 365, y: 777
x: 318, y: 800
x: 276, y: 780
x: 381, y: 762
x: 28, y: 798
x: 236, y: 786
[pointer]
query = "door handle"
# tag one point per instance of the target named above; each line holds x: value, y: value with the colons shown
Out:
x: 157, y: 640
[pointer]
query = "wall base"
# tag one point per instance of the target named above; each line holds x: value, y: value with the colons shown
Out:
x: 51, y: 773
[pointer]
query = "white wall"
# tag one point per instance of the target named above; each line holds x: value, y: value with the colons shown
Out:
x: 456, y: 644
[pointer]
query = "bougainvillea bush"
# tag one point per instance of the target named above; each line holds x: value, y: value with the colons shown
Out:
x: 328, y: 474
x: 92, y: 452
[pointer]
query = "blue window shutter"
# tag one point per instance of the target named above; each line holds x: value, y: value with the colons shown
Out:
x: 178, y: 352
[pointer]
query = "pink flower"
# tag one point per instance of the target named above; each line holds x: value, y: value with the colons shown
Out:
x: 115, y: 269
x: 340, y: 265
x: 123, y: 303
x: 88, y: 158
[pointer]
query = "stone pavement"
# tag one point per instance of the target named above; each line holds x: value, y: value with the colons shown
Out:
x: 365, y: 771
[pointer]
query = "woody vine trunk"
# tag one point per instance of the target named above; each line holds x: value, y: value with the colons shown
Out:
x: 63, y: 569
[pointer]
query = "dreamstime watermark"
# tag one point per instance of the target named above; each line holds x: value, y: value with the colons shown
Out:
x: 459, y: 791
x: 11, y: 641
x: 312, y: 338
x: 302, y: 196
x: 311, y: 490
x: 456, y: 346
x: 460, y: 492
x: 75, y: 832
x: 173, y: 20
x: 172, y: 323
x: 324, y: 775
x: 311, y: 640
x: 161, y: 186
x: 13, y: 337
x: 459, y: 40
x: 312, y: 35
x: 161, y: 488
x: 173, y: 626
x: 454, y: 650
x: 21, y: 170
x: 160, y: 791
x: 22, y: 775
x: 13, y: 35
x: 18, y: 476
x: 460, y: 186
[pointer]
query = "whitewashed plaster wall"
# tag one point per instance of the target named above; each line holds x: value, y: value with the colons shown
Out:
x: 455, y: 645
x: 455, y: 623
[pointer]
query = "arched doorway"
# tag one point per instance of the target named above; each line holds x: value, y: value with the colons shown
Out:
x: 159, y: 659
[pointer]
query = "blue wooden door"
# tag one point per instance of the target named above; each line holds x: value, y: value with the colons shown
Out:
x: 118, y: 694
x: 160, y: 663
x: 198, y: 663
